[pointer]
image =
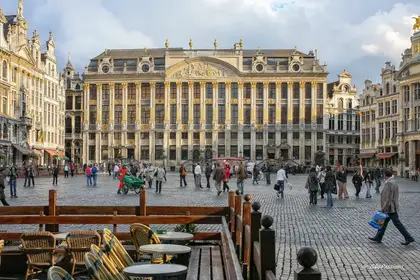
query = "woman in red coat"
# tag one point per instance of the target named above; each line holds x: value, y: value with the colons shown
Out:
x: 122, y: 173
x: 225, y: 179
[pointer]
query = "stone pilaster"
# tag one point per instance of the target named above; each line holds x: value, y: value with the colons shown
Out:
x: 265, y: 104
x: 215, y: 103
x: 240, y: 104
x: 137, y: 137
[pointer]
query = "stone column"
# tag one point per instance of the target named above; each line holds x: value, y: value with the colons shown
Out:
x: 190, y: 117
x: 137, y: 137
x: 227, y: 119
x: 178, y: 121
x: 265, y: 119
x: 85, y: 123
x: 278, y: 119
x: 314, y: 122
x: 124, y: 121
x: 85, y: 147
x: 253, y: 120
x: 166, y: 124
x: 411, y: 154
x: 290, y: 117
x: 240, y: 119
x: 202, y: 115
x: 152, y: 122
x: 302, y: 129
x: 98, y: 153
x: 215, y: 117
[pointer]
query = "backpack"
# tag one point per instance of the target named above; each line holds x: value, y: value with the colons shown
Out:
x: 94, y: 170
x: 88, y: 171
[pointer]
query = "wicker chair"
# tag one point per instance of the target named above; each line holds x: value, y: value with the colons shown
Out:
x: 78, y: 243
x: 96, y: 268
x: 1, y: 248
x: 107, y: 262
x: 57, y: 273
x: 143, y: 235
x: 116, y: 251
x: 39, y: 248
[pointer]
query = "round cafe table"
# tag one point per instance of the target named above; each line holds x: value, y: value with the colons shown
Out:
x: 157, y: 271
x: 165, y: 249
x: 175, y: 236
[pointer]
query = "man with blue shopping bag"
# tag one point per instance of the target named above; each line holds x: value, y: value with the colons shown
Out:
x: 389, y: 205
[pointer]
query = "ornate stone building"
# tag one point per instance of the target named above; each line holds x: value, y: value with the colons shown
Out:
x: 343, y: 124
x: 409, y: 117
x: 32, y: 101
x: 178, y: 104
x: 74, y: 113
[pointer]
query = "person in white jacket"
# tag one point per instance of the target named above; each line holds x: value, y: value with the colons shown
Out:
x: 281, y: 179
x: 197, y: 174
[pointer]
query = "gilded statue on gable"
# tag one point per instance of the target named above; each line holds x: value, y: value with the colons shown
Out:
x: 416, y: 26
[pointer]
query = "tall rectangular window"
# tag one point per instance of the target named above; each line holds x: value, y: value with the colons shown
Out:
x: 284, y: 90
x: 173, y: 90
x: 160, y: 113
x: 283, y: 113
x: 160, y: 91
x: 387, y: 108
x: 222, y: 114
x: 118, y: 92
x: 197, y: 90
x: 387, y: 130
x: 78, y: 102
x: 260, y: 114
x: 247, y: 90
x: 196, y: 113
x: 320, y: 91
x: 234, y: 90
x: 406, y: 118
x: 296, y: 113
x: 394, y: 107
x: 145, y: 91
x: 395, y: 129
x: 308, y: 113
x: 92, y: 92
x: 145, y: 114
x: 105, y: 114
x: 234, y: 113
x: 131, y: 114
x: 260, y: 91
x: 209, y: 114
x: 381, y: 131
x: 184, y: 91
x: 296, y: 90
x: 308, y: 91
x: 118, y: 114
x: 184, y: 113
x: 222, y: 92
x: 247, y: 114
x: 349, y: 123
x: 131, y: 91
x: 92, y: 114
x: 105, y: 92
x: 340, y: 122
x: 272, y: 90
x: 173, y: 113
x: 209, y: 90
x: 406, y: 90
x: 381, y: 109
x: 272, y: 114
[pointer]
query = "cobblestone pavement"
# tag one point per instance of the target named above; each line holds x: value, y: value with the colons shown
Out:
x: 339, y: 235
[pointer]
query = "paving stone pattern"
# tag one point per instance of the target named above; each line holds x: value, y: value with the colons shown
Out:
x: 339, y: 235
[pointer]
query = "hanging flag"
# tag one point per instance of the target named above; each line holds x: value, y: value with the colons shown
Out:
x: 41, y: 139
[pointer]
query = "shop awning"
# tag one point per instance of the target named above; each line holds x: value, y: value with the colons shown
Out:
x: 385, y: 155
x: 36, y: 152
x: 51, y: 152
x: 366, y: 155
x: 24, y: 151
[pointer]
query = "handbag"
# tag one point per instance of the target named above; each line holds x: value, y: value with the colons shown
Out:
x: 7, y: 178
x: 334, y: 190
x: 276, y: 187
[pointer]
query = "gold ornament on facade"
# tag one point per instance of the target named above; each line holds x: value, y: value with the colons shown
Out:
x: 166, y: 43
x: 190, y: 43
x: 234, y: 101
x: 196, y: 101
x: 314, y: 84
x: 214, y: 84
x: 111, y: 85
x: 416, y: 26
x: 172, y: 101
x: 160, y: 101
x: 259, y: 126
x: 86, y: 86
x: 190, y: 84
x: 240, y: 84
x: 123, y: 121
x: 131, y: 102
x: 104, y: 126
x: 247, y: 101
x: 99, y: 86
x: 289, y: 84
x: 253, y: 84
x: 302, y: 84
x: 124, y: 85
x: 138, y: 85
x: 241, y: 43
x: 118, y: 102
x: 184, y: 127
x: 215, y: 44
x: 209, y: 101
x: 278, y: 84
x: 167, y: 84
x: 202, y: 84
x: 178, y: 84
x: 271, y: 101
x: 152, y: 84
x: 265, y: 84
x: 227, y: 84
x: 145, y: 127
x: 92, y: 102
x: 222, y: 126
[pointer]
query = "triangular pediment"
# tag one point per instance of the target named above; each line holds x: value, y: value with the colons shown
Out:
x: 202, y: 69
x: 25, y: 53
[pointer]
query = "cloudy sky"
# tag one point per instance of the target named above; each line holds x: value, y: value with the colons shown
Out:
x: 358, y: 35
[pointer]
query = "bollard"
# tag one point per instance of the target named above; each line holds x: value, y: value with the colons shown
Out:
x: 255, y: 235
x: 307, y: 257
x: 267, y: 246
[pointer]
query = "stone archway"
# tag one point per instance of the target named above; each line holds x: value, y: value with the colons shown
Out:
x: 196, y: 155
x: 208, y: 154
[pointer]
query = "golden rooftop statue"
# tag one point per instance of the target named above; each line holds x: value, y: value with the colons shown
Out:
x: 190, y: 43
x: 145, y: 50
x: 416, y: 26
x: 241, y: 43
x: 215, y: 44
x: 167, y: 43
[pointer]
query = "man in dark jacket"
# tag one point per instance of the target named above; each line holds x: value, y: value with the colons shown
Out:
x: 357, y: 182
x: 55, y: 175
x: 2, y: 187
x: 377, y: 179
x: 312, y: 186
x: 218, y: 176
x: 208, y: 172
x: 13, y: 174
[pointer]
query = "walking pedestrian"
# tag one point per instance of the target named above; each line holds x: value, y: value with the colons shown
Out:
x: 164, y: 168
x: 66, y: 171
x: 281, y: 179
x: 2, y: 187
x: 330, y: 185
x: 342, y: 183
x: 148, y: 177
x: 377, y: 179
x: 312, y: 186
x: 321, y: 180
x: 55, y: 174
x: 197, y: 176
x: 109, y: 168
x: 160, y: 176
x: 116, y: 170
x: 31, y: 176
x: 268, y: 174
x: 94, y: 171
x: 13, y: 174
x: 357, y: 182
x: 121, y: 174
x: 218, y: 176
x: 255, y: 173
x: 26, y: 169
x: 182, y: 175
x: 208, y: 172
x: 193, y: 170
x: 72, y: 168
x: 241, y: 176
x: 368, y: 179
x: 226, y: 178
x: 390, y: 206
x: 88, y: 174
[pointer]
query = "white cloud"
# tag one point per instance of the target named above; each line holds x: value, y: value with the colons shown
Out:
x: 371, y: 48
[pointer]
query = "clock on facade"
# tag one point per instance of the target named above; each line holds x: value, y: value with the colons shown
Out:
x: 296, y: 67
x: 259, y: 67
x: 145, y: 68
x: 105, y: 69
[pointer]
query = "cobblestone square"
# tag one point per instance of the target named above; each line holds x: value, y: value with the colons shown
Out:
x: 339, y: 235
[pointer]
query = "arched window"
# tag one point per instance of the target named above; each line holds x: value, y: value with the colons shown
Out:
x: 5, y: 131
x: 387, y: 88
x: 340, y: 103
x: 77, y: 87
x: 349, y: 104
x: 395, y: 89
x: 5, y: 70
x: 68, y: 83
